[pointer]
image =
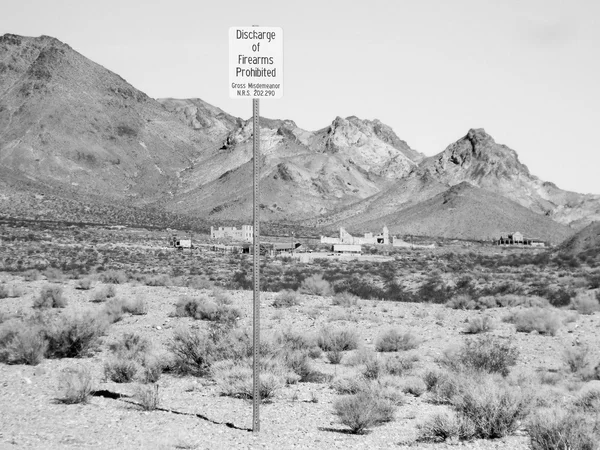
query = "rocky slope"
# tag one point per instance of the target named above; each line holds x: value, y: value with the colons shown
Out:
x: 66, y: 121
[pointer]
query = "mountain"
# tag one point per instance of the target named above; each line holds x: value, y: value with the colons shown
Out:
x: 468, y: 212
x: 303, y: 173
x: 584, y: 242
x: 77, y: 137
x: 478, y: 160
x: 67, y: 122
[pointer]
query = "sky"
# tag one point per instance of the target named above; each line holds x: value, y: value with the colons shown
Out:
x: 527, y: 71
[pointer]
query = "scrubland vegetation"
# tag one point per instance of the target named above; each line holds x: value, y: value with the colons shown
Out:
x: 369, y: 337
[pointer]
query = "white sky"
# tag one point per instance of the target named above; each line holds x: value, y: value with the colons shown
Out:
x: 527, y: 71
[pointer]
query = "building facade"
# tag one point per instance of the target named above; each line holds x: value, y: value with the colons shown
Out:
x: 369, y: 238
x: 246, y: 233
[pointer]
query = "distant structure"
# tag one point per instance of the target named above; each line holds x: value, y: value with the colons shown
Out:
x: 347, y: 238
x: 397, y: 242
x: 517, y: 238
x: 246, y: 233
x: 346, y: 248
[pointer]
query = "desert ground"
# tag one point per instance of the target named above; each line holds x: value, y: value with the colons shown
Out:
x: 110, y: 339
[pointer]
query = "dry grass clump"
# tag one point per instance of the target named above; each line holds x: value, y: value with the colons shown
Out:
x: 541, y: 320
x: 73, y: 335
x: 394, y: 340
x: 484, y: 406
x: 316, y: 285
x: 104, y: 293
x: 53, y: 274
x: 235, y: 379
x: 198, y: 282
x: 345, y: 299
x: 479, y: 324
x: 576, y: 358
x: 22, y: 343
x: 147, y: 397
x: 363, y: 410
x: 563, y: 429
x: 158, y: 280
x: 202, y: 308
x: 84, y: 284
x: 50, y: 297
x: 487, y: 353
x: 136, y: 306
x: 331, y: 339
x: 32, y: 275
x: 286, y: 298
x: 585, y: 303
x: 465, y: 301
x: 75, y: 385
x: 133, y: 358
x: 114, y: 277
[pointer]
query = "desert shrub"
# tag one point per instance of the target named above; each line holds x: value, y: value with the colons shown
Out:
x: 487, y: 353
x: 433, y: 290
x: 198, y: 282
x: 221, y: 297
x: 133, y: 359
x: 588, y: 400
x: 50, y: 297
x: 236, y: 380
x: 53, y: 274
x: 84, y: 284
x: 158, y: 280
x: 363, y: 289
x: 414, y: 386
x: 532, y: 301
x: 113, y: 310
x: 73, y: 335
x: 563, y: 429
x: 194, y: 351
x: 136, y: 306
x: 22, y: 343
x: 75, y: 385
x: 541, y: 320
x: 120, y: 370
x: 299, y: 362
x: 202, y: 308
x: 443, y: 385
x: 363, y: 410
x: 585, y: 303
x: 396, y: 341
x: 32, y: 275
x: 286, y: 298
x: 295, y: 340
x: 104, y: 293
x: 113, y: 277
x: 345, y: 299
x: 374, y: 368
x: 316, y: 285
x: 330, y: 339
x: 350, y: 385
x: 399, y: 365
x: 3, y: 291
x: 361, y: 356
x: 479, y: 324
x: 576, y: 358
x: 147, y: 397
x: 442, y: 427
x: 560, y: 297
x: 461, y: 301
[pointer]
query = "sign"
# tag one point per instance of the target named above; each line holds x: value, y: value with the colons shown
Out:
x: 255, y: 62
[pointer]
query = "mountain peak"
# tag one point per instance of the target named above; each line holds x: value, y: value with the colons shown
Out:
x: 478, y: 136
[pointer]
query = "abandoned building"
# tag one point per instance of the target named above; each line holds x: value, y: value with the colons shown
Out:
x: 346, y: 248
x: 517, y: 238
x: 369, y: 238
x: 273, y: 249
x: 246, y: 233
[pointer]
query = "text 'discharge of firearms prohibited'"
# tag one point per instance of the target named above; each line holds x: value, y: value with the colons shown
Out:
x: 255, y: 62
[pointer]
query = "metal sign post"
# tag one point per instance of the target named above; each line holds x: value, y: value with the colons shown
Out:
x: 256, y: 71
x: 256, y: 271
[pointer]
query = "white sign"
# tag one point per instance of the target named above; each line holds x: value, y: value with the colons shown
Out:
x: 255, y: 62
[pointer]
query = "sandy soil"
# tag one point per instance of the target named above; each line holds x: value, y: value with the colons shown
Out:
x: 195, y: 416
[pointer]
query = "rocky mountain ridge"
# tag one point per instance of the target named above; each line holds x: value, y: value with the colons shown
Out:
x: 73, y: 127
